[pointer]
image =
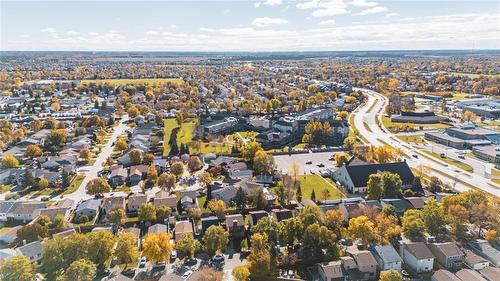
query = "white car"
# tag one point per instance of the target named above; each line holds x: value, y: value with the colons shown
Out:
x: 187, y: 274
x: 143, y: 262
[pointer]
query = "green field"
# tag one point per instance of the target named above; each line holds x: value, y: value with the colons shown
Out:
x: 141, y: 81
x: 392, y: 125
x: 318, y: 183
x: 450, y: 161
x: 169, y: 125
x: 246, y: 135
x: 184, y: 135
x: 215, y: 147
x: 411, y: 139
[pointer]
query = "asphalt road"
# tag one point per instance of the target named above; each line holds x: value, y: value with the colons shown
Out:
x: 461, y: 180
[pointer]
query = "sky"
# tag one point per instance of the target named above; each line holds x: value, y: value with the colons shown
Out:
x: 239, y: 25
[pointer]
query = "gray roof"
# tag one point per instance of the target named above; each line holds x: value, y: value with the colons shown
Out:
x: 387, y: 253
x: 419, y: 250
x: 92, y: 204
x: 6, y: 206
x: 490, y: 273
x: 31, y: 249
x: 444, y: 275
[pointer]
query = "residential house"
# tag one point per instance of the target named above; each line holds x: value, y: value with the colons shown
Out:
x: 469, y: 275
x: 64, y: 233
x: 235, y: 225
x: 474, y: 261
x: 5, y: 208
x: 52, y: 212
x: 6, y: 254
x: 117, y: 176
x: 163, y: 198
x: 10, y: 235
x: 367, y: 264
x: 137, y: 173
x: 387, y: 257
x: 416, y: 202
x: 255, y: 216
x: 444, y: 275
x: 281, y: 214
x: 485, y: 250
x: 88, y: 208
x: 351, y: 209
x: 417, y: 256
x: 448, y: 255
x: 188, y: 202
x: 112, y: 203
x: 135, y: 201
x: 207, y: 222
x: 354, y: 174
x: 161, y: 165
x: 331, y: 271
x: 33, y: 251
x: 26, y: 211
x: 157, y: 228
x: 135, y: 231
x: 490, y: 273
x: 183, y: 228
x: 400, y: 205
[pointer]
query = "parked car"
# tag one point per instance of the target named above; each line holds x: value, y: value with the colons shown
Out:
x: 218, y: 259
x: 461, y: 157
x: 187, y: 274
x: 309, y: 162
x: 143, y: 262
x: 415, y: 156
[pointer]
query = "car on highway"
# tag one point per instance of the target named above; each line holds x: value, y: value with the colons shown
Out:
x: 461, y: 157
x: 309, y: 162
x: 187, y: 274
x: 415, y: 156
x: 321, y: 165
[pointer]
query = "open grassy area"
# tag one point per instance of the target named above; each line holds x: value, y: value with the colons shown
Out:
x: 458, y: 164
x: 169, y: 125
x: 215, y: 147
x: 318, y: 183
x: 386, y: 120
x: 185, y: 134
x: 411, y: 139
x: 4, y: 188
x: 495, y: 172
x: 246, y: 135
x: 75, y: 184
x: 142, y: 81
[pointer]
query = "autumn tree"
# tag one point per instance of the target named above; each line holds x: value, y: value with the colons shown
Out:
x: 167, y: 181
x: 386, y: 228
x: 205, y: 179
x: 310, y: 214
x: 100, y: 247
x: 363, y: 228
x: 208, y: 274
x: 177, y: 169
x: 413, y: 224
x: 260, y: 262
x: 116, y: 216
x: 263, y: 162
x: 33, y: 151
x: 17, y: 268
x: 194, y: 163
x: 333, y: 220
x: 121, y: 144
x: 215, y: 240
x: 434, y: 217
x: 9, y: 161
x: 187, y: 246
x: 135, y: 157
x: 98, y: 186
x: 147, y: 212
x: 458, y: 216
x: 241, y: 273
x: 218, y: 207
x: 80, y: 270
x: 390, y: 275
x: 341, y: 158
x: 375, y: 187
x: 318, y: 244
x: 249, y: 150
x: 270, y: 227
x: 157, y: 247
x: 85, y: 154
x: 126, y: 251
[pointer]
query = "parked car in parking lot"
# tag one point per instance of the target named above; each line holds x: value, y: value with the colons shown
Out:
x: 218, y: 259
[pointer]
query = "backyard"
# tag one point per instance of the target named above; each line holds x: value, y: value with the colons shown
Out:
x: 319, y: 184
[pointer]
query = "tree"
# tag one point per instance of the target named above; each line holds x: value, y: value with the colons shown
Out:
x: 240, y: 198
x: 390, y: 275
x: 205, y: 179
x: 80, y: 270
x: 32, y: 232
x: 291, y: 230
x: 187, y: 246
x: 100, y: 247
x: 148, y: 159
x: 413, y: 224
x: 194, y: 163
x: 383, y: 154
x: 386, y: 227
x: 458, y: 217
x: 310, y: 214
x: 133, y: 111
x: 263, y: 162
x: 147, y: 212
x: 375, y: 187
x: 491, y: 236
x: 281, y: 193
x: 116, y: 216
x: 98, y: 186
x: 469, y: 116
x: 434, y: 217
x: 157, y: 247
x: 17, y: 268
x: 318, y: 244
x: 417, y: 184
x: 241, y: 273
x: 435, y: 184
x: 162, y: 213
x: 392, y: 185
x: 126, y: 248
x: 33, y: 151
x: 215, y: 239
x: 209, y: 274
x: 121, y: 145
x: 167, y: 180
x: 177, y: 168
x: 28, y: 179
x: 43, y: 183
x: 9, y: 161
x: 85, y: 154
x: 135, y: 157
x: 65, y: 179
x: 218, y: 207
x: 362, y: 228
x: 249, y: 150
x: 269, y: 226
x: 152, y: 174
x: 313, y: 195
x: 341, y: 158
x: 56, y: 137
x: 59, y: 222
x: 333, y: 220
x: 259, y: 260
x: 258, y: 199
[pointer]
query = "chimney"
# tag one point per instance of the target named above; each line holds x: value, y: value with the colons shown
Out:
x: 24, y: 242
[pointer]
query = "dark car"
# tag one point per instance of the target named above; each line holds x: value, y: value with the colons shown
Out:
x: 309, y: 162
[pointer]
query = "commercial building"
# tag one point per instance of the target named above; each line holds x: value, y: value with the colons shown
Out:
x: 464, y: 137
x: 488, y: 108
x: 422, y: 117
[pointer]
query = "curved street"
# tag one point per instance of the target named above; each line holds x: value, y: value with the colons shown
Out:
x: 365, y: 122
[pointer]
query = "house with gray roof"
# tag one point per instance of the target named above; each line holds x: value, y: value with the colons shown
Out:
x: 485, y: 250
x: 444, y: 275
x: 417, y: 256
x: 490, y: 273
x: 26, y: 211
x: 88, y: 208
x: 469, y: 275
x: 5, y: 208
x: 448, y: 254
x: 33, y: 251
x: 387, y: 257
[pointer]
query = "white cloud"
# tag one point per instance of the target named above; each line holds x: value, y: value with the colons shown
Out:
x: 152, y: 32
x: 173, y: 26
x: 390, y: 15
x: 24, y: 36
x: 308, y: 5
x: 331, y: 8
x: 374, y: 10
x: 273, y: 2
x: 362, y: 3
x: 72, y: 33
x: 263, y: 22
x: 206, y: 29
x: 92, y: 33
x: 48, y: 30
x: 257, y: 4
x: 327, y: 22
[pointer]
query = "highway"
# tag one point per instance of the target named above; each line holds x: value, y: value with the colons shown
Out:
x: 365, y: 122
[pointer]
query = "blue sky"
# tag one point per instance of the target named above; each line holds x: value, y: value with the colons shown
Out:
x: 267, y: 25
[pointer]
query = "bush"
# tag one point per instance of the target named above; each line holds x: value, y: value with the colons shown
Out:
x: 83, y: 219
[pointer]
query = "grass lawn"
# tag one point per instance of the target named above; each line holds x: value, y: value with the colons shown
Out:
x: 497, y: 181
x: 5, y: 187
x: 460, y: 96
x: 215, y: 147
x: 201, y: 202
x: 246, y: 135
x: 411, y: 139
x: 185, y: 134
x: 75, y: 184
x: 169, y: 125
x: 123, y: 82
x: 318, y: 183
x: 495, y: 172
x: 391, y: 125
x: 450, y: 161
x: 123, y: 188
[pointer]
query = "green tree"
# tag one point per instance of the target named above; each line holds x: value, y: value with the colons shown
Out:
x: 269, y: 226
x: 310, y: 214
x: 291, y: 230
x: 17, y: 268
x: 258, y: 199
x: 413, y: 224
x: 59, y: 222
x: 249, y: 150
x: 101, y: 244
x: 32, y: 232
x: 318, y: 244
x: 263, y: 162
x: 434, y: 217
x: 215, y: 240
x: 392, y: 185
x: 162, y: 213
x: 187, y: 246
x: 116, y: 216
x: 260, y: 262
x: 218, y: 207
x: 375, y: 187
x: 80, y: 270
x: 362, y: 227
x: 147, y: 212
x: 126, y: 250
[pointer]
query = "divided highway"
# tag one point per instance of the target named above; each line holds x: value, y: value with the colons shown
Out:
x: 365, y: 122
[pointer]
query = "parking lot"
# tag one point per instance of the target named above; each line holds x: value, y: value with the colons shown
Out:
x: 318, y: 161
